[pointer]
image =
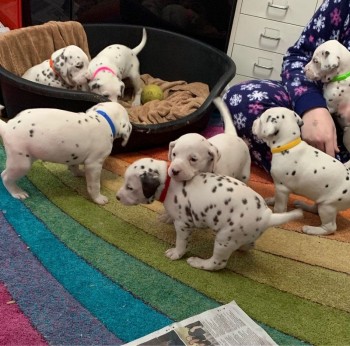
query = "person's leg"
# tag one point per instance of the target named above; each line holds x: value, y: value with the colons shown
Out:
x: 246, y: 102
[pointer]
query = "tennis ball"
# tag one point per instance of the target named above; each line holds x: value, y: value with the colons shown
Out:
x: 151, y: 92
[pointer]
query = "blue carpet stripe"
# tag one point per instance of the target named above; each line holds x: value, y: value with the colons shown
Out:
x: 122, y: 313
x: 49, y: 306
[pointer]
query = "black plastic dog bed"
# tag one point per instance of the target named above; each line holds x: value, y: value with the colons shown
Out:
x: 167, y: 55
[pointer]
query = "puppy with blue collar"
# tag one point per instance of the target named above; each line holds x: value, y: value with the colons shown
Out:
x: 65, y: 137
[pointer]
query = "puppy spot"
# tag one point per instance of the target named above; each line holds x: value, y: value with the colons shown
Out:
x: 244, y: 201
x: 31, y: 133
x: 345, y: 191
x: 326, y: 186
x: 214, y: 189
x: 315, y: 171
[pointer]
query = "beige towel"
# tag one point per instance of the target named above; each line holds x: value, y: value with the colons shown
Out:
x: 180, y: 99
x: 23, y: 48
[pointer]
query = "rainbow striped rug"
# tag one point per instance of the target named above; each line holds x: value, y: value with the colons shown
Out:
x: 75, y: 273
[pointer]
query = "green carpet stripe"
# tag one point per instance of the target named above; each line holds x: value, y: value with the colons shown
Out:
x: 291, y: 314
x: 302, y: 280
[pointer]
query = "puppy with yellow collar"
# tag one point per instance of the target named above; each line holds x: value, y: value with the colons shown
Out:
x: 299, y: 168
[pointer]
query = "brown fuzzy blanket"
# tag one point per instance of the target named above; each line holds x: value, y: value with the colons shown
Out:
x: 23, y: 48
x: 180, y: 99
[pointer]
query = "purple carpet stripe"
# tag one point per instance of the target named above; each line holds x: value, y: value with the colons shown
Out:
x: 47, y: 304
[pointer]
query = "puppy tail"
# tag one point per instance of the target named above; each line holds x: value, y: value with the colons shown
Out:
x: 226, y: 116
x: 277, y: 219
x: 138, y: 48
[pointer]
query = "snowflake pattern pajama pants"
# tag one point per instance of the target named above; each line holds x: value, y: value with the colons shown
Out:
x: 247, y: 101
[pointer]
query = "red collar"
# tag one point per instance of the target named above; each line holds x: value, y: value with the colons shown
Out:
x: 52, y: 65
x: 165, y: 190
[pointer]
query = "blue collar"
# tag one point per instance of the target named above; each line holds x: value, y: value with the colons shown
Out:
x: 110, y: 122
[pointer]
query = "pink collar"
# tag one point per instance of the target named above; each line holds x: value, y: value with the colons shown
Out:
x: 103, y: 68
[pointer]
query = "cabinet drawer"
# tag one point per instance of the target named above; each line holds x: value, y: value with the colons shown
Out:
x: 267, y: 34
x: 296, y: 12
x: 257, y: 64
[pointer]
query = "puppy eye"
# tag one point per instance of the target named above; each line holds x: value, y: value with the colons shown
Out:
x: 79, y: 65
x: 315, y: 61
x: 174, y: 154
x: 128, y: 187
x: 105, y: 95
x: 193, y: 159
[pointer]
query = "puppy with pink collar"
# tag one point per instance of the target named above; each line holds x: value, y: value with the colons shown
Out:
x: 113, y: 64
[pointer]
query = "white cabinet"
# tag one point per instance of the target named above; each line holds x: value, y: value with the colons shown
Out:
x: 261, y: 33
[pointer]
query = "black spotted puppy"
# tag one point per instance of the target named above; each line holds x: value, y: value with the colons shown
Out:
x: 60, y: 136
x: 299, y: 168
x: 66, y: 69
x: 238, y: 214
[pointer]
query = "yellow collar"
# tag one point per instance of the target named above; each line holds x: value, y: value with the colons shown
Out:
x: 287, y: 146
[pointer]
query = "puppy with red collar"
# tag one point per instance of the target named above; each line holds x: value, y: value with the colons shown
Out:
x: 233, y: 210
x: 65, y: 69
x: 108, y: 68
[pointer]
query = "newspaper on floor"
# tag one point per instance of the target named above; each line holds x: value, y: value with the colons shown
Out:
x: 227, y: 325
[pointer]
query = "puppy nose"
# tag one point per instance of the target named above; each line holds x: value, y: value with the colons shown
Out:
x: 175, y: 172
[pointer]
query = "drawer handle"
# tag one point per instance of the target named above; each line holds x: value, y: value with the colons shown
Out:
x: 280, y: 7
x: 270, y: 37
x: 264, y: 67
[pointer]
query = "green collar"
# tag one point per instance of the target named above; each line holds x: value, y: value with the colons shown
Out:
x: 341, y: 77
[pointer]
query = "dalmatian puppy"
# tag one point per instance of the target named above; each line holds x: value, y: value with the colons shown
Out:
x: 113, y: 64
x: 330, y: 64
x: 299, y: 168
x: 234, y: 211
x: 65, y: 69
x: 65, y: 137
x: 225, y: 153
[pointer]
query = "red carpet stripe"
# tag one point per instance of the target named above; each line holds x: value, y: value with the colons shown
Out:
x: 15, y: 326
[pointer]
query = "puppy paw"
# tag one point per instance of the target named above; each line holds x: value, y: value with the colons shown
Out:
x: 20, y: 195
x: 312, y: 230
x: 206, y: 264
x: 173, y: 254
x: 102, y: 200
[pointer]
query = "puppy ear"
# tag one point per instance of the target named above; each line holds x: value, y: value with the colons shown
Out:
x: 60, y: 66
x: 214, y: 157
x: 171, y: 147
x: 150, y: 183
x: 125, y: 133
x: 329, y: 61
x: 299, y: 120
